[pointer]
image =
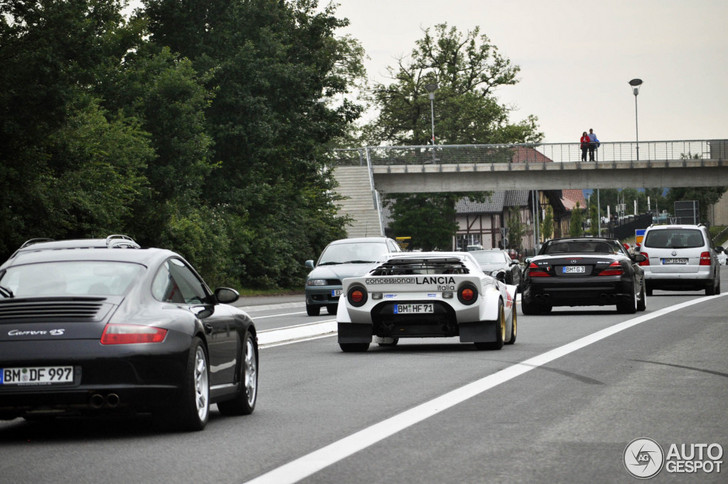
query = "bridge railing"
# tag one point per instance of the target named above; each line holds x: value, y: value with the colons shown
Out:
x: 716, y: 149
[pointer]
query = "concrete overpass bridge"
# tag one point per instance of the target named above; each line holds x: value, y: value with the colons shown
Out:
x: 365, y: 174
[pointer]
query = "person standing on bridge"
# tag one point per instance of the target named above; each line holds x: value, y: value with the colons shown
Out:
x: 593, y: 144
x: 584, y: 145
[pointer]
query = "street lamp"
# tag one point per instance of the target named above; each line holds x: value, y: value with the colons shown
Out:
x: 431, y: 88
x: 636, y: 83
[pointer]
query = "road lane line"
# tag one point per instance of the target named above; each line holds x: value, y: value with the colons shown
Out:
x: 311, y: 463
x: 292, y: 334
x: 277, y: 315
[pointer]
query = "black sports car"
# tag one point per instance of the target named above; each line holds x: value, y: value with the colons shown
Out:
x: 583, y: 271
x: 105, y: 326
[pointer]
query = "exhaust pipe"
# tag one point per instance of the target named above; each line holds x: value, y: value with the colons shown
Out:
x: 97, y: 400
x: 112, y: 400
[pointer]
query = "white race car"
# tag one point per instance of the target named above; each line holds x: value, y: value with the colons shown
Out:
x: 426, y: 294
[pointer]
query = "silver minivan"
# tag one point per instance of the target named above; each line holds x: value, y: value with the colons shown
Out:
x: 680, y: 257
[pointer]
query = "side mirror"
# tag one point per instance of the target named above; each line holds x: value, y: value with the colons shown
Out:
x: 309, y: 264
x: 719, y: 249
x: 639, y: 258
x: 226, y: 295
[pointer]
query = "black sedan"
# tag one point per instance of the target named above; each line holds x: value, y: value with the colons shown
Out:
x: 583, y: 272
x: 499, y: 264
x: 104, y: 326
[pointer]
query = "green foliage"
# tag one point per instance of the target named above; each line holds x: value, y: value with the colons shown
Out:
x: 200, y: 126
x: 594, y: 220
x: 516, y: 229
x: 467, y: 68
x: 547, y: 225
x: 576, y: 222
x: 706, y: 196
x: 428, y: 218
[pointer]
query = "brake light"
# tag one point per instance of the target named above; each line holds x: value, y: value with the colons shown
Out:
x: 645, y: 262
x: 705, y: 259
x: 468, y: 293
x: 124, y: 334
x: 537, y: 271
x: 614, y: 269
x: 357, y: 296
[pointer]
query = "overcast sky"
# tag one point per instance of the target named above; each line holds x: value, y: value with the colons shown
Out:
x: 576, y: 59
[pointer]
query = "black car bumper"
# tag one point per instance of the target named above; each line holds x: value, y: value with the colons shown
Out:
x: 139, y: 377
x: 607, y: 290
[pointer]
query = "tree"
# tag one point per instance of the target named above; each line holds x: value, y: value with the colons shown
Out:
x: 279, y: 74
x: 467, y: 68
x: 547, y: 225
x: 516, y: 229
x: 706, y: 197
x: 576, y: 228
x: 71, y: 167
x: 412, y: 216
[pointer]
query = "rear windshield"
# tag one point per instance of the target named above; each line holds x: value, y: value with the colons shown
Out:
x: 76, y: 278
x: 580, y: 246
x: 407, y: 266
x: 674, y: 239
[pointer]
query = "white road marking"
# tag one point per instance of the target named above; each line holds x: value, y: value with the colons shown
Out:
x: 292, y: 334
x: 309, y: 464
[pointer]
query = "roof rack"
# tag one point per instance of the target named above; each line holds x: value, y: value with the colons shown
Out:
x: 35, y: 241
x: 119, y: 241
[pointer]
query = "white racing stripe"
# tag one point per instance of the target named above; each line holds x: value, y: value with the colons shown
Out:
x: 315, y: 461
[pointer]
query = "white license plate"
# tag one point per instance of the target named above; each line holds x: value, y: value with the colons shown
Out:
x: 674, y: 261
x: 574, y: 270
x: 336, y: 292
x: 413, y: 308
x: 41, y: 375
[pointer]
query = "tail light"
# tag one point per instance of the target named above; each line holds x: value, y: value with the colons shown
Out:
x: 357, y: 296
x: 614, y: 269
x: 537, y: 271
x: 705, y: 259
x: 124, y: 334
x: 645, y: 262
x: 468, y: 293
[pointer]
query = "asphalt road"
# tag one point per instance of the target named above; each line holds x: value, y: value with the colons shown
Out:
x: 561, y: 405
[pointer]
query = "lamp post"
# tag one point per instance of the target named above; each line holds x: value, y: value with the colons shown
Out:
x: 431, y: 88
x: 636, y: 83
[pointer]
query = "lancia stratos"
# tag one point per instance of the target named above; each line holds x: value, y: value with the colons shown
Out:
x: 426, y: 295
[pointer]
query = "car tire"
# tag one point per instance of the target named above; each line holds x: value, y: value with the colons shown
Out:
x: 332, y: 308
x: 244, y: 401
x: 193, y: 408
x: 628, y: 305
x: 642, y: 301
x: 312, y: 310
x: 514, y: 327
x: 500, y: 332
x: 354, y: 347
